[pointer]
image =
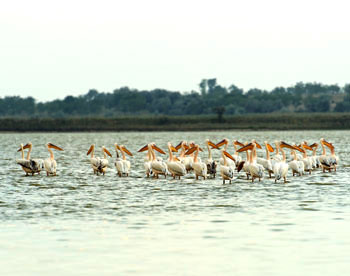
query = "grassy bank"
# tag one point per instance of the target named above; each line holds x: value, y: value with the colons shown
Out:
x: 298, y: 121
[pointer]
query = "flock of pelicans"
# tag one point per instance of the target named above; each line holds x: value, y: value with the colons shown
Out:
x: 186, y: 160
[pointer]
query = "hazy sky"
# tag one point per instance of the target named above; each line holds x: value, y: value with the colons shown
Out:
x: 51, y: 49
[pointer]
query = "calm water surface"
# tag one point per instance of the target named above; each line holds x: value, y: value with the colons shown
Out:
x: 81, y: 224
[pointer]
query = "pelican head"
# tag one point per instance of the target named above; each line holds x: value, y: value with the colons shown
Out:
x: 106, y: 151
x: 235, y: 142
x: 124, y: 149
x: 21, y: 148
x: 257, y: 144
x: 269, y: 147
x: 52, y: 146
x: 210, y: 143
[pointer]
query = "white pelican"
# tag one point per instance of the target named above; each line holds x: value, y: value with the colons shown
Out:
x: 50, y: 163
x: 256, y: 170
x: 147, y: 161
x: 211, y: 164
x: 244, y: 164
x: 186, y: 160
x: 296, y: 165
x: 306, y: 159
x: 118, y: 163
x: 266, y: 163
x: 225, y: 170
x: 99, y: 165
x: 278, y: 156
x: 156, y: 166
x: 236, y: 155
x: 328, y: 162
x: 200, y: 168
x: 30, y: 165
x: 280, y: 169
x: 230, y: 163
x: 126, y: 163
x: 159, y: 167
x: 175, y: 166
x: 334, y: 158
x: 315, y: 160
x: 183, y: 146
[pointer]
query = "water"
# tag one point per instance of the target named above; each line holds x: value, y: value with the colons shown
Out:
x: 81, y: 224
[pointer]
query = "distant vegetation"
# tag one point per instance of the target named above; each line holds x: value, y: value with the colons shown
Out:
x: 282, y: 121
x: 211, y: 98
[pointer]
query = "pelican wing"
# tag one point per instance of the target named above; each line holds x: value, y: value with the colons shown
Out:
x: 50, y: 165
x: 256, y: 170
x: 95, y: 162
x: 103, y: 163
x: 177, y: 168
x: 159, y: 166
x: 226, y: 172
x: 200, y: 168
x: 24, y: 163
x: 119, y: 165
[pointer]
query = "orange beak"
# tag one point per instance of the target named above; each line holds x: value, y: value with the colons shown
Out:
x: 90, y: 149
x: 144, y: 148
x: 270, y: 148
x: 247, y: 147
x: 285, y: 145
x: 191, y: 150
x: 126, y: 151
x: 210, y: 143
x: 106, y: 151
x: 238, y: 143
x: 178, y: 146
x: 221, y: 143
x: 229, y: 155
x: 158, y: 149
x: 54, y: 146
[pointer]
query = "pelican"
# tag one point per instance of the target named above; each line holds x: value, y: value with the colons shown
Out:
x: 126, y: 163
x: 266, y: 163
x: 200, y: 168
x: 230, y: 163
x: 256, y: 170
x: 236, y: 155
x: 296, y: 165
x: 118, y: 163
x: 328, y: 162
x: 99, y: 165
x: 175, y: 166
x: 158, y: 166
x: 278, y: 156
x: 226, y: 171
x: 186, y: 160
x: 50, y: 163
x: 306, y: 159
x: 315, y: 158
x: 211, y: 164
x: 183, y: 146
x: 281, y: 168
x: 30, y: 165
x: 245, y: 163
x: 154, y: 165
x: 147, y: 161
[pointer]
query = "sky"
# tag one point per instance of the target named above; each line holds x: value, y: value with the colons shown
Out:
x: 51, y: 49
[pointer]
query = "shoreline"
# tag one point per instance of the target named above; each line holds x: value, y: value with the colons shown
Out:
x: 249, y: 122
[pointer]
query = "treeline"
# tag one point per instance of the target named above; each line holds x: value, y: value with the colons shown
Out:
x: 210, y: 99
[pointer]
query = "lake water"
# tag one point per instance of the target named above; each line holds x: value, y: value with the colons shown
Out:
x: 78, y: 223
